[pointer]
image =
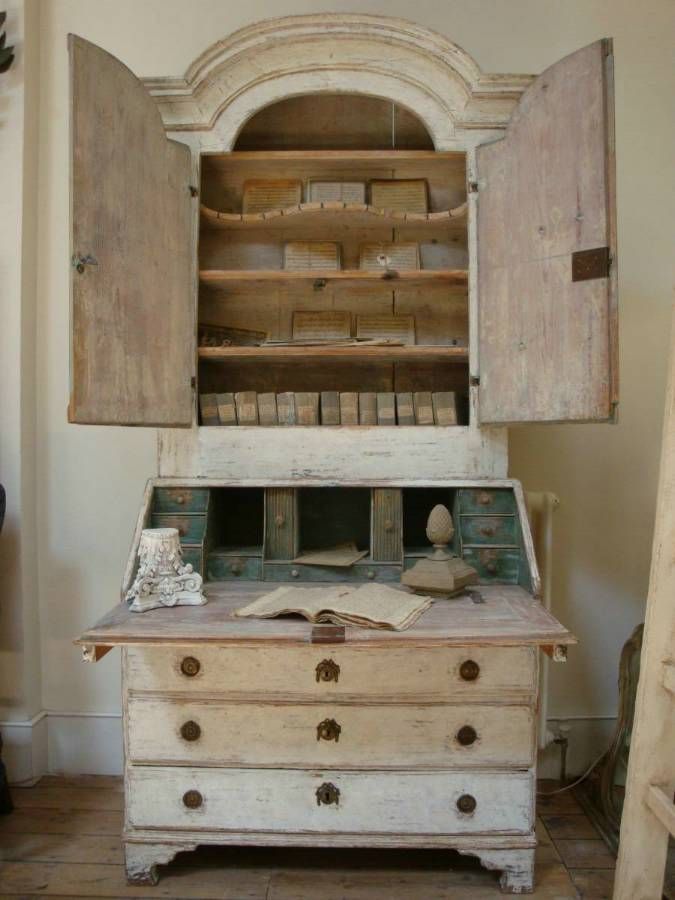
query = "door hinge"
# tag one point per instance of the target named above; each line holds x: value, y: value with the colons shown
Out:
x: 193, y: 190
x: 78, y: 262
x: 473, y: 187
x: 588, y: 264
x: 193, y: 383
x: 474, y: 380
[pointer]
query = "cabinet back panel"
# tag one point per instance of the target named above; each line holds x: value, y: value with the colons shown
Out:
x: 330, y: 516
x: 237, y: 517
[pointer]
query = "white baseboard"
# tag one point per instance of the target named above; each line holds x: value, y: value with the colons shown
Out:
x: 91, y: 744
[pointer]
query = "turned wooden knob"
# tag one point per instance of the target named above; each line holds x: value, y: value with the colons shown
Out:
x: 469, y: 670
x: 192, y: 799
x: 279, y: 520
x: 466, y: 803
x: 190, y: 666
x: 190, y: 731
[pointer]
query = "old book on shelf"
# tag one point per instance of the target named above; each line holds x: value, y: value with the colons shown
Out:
x: 424, y: 411
x: 386, y: 408
x: 349, y: 408
x: 367, y: 408
x: 267, y: 409
x: 306, y: 408
x: 208, y: 406
x: 392, y: 328
x: 300, y: 256
x: 342, y: 555
x: 325, y: 325
x: 227, y: 411
x: 368, y: 606
x: 390, y: 256
x: 324, y: 191
x: 330, y: 408
x: 445, y: 407
x: 400, y: 194
x: 264, y: 194
x: 405, y: 412
x: 286, y: 408
x: 247, y: 407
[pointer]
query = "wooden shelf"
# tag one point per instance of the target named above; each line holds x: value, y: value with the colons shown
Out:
x: 358, y: 215
x: 408, y: 278
x: 339, y: 155
x: 415, y: 353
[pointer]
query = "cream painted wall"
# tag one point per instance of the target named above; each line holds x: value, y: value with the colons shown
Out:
x: 89, y: 480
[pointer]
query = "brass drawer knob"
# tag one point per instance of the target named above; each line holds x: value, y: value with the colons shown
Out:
x: 484, y: 498
x: 491, y: 567
x: 327, y: 670
x: 466, y: 803
x: 487, y: 530
x: 466, y: 735
x: 469, y: 670
x: 190, y: 666
x: 190, y: 731
x: 327, y: 794
x: 192, y: 799
x: 328, y: 730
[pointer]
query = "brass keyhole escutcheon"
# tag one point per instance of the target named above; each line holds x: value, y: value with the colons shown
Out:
x: 469, y: 670
x: 192, y: 799
x: 466, y: 735
x: 328, y: 730
x: 466, y: 803
x: 327, y: 670
x: 190, y: 666
x: 190, y: 731
x: 327, y: 794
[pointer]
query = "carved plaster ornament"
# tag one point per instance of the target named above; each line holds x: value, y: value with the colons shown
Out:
x: 441, y: 572
x: 162, y: 578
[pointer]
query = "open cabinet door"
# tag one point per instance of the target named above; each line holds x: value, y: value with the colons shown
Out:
x: 546, y: 251
x: 132, y: 300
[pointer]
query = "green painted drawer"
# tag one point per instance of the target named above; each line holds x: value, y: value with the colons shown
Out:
x: 487, y: 501
x: 492, y: 565
x: 500, y: 531
x: 357, y: 573
x: 190, y: 528
x: 180, y: 500
x: 193, y: 555
x: 233, y: 568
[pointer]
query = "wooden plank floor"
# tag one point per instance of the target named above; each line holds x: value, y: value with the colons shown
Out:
x: 62, y: 840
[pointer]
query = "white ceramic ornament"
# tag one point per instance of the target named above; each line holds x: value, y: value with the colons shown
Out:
x: 162, y: 578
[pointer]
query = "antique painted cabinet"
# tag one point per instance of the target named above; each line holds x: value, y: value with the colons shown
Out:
x: 240, y: 731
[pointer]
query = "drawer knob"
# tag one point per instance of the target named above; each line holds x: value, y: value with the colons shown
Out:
x: 487, y: 530
x: 371, y: 575
x: 466, y: 735
x: 484, y: 498
x: 190, y: 666
x: 294, y: 573
x: 182, y: 530
x: 280, y: 520
x: 327, y: 670
x: 327, y: 794
x: 469, y: 670
x: 491, y: 567
x: 328, y: 730
x: 388, y: 525
x: 190, y: 731
x: 180, y: 499
x: 466, y: 803
x: 192, y: 799
x: 236, y: 568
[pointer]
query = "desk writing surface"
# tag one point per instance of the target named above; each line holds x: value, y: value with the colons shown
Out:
x: 508, y: 615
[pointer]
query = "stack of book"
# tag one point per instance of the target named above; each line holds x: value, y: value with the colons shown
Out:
x: 330, y: 408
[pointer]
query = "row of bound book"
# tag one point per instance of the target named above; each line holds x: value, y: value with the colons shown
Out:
x: 330, y: 408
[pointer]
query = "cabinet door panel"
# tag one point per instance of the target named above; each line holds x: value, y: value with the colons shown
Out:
x: 547, y: 329
x: 132, y: 313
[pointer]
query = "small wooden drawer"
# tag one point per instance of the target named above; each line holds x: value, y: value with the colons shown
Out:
x: 233, y: 568
x: 193, y: 555
x: 210, y: 732
x: 501, y: 566
x: 487, y: 501
x: 287, y: 800
x: 190, y: 528
x: 180, y: 500
x: 497, y: 530
x: 359, y: 572
x: 335, y: 672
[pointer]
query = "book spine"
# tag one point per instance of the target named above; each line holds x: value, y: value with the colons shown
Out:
x: 330, y: 408
x: 247, y: 407
x: 405, y: 412
x: 424, y: 413
x: 445, y: 407
x: 306, y: 408
x: 386, y: 409
x: 227, y: 413
x: 267, y: 409
x: 349, y: 408
x: 286, y: 408
x: 367, y: 408
x: 208, y: 406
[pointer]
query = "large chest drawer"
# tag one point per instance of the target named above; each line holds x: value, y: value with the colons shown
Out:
x: 318, y: 734
x: 336, y: 671
x: 289, y: 800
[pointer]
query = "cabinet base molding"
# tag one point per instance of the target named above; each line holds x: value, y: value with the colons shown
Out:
x: 516, y: 866
x: 141, y: 859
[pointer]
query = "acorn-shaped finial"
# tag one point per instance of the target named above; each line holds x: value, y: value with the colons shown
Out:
x: 440, y: 529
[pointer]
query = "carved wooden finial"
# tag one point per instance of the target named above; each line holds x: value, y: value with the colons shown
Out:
x: 441, y: 572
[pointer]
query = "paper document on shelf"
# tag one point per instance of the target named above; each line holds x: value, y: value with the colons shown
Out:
x: 343, y: 555
x: 367, y: 606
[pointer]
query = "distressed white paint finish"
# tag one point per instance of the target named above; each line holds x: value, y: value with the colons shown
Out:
x: 516, y: 866
x: 141, y: 860
x: 407, y: 674
x: 285, y: 800
x: 370, y: 736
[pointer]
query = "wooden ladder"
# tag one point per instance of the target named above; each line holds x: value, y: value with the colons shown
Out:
x: 649, y: 811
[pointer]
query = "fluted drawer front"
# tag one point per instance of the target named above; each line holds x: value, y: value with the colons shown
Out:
x: 288, y: 800
x: 334, y: 671
x: 266, y: 734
